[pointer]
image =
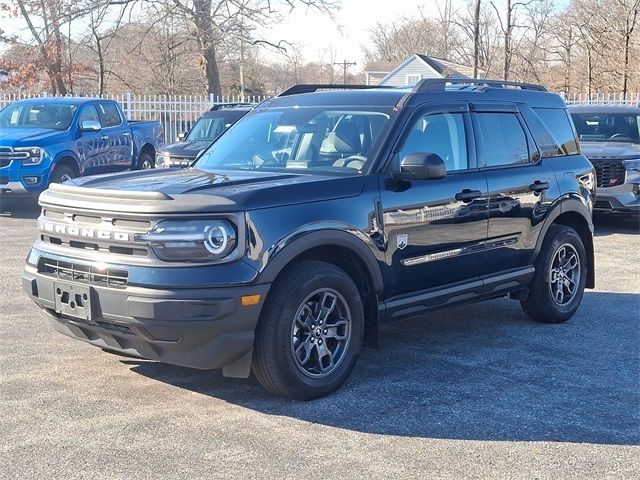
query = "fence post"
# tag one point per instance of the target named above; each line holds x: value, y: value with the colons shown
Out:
x: 212, y: 100
x: 127, y: 107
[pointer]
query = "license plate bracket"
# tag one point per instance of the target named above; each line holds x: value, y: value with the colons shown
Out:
x: 73, y: 300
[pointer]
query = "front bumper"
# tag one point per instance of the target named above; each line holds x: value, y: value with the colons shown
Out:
x: 203, y: 328
x: 621, y: 199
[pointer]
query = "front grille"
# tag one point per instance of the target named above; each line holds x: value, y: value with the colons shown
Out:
x: 7, y: 155
x: 83, y: 273
x: 609, y: 172
x: 79, y: 232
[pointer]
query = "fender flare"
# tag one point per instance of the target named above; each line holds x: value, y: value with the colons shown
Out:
x: 298, y: 244
x: 65, y: 154
x: 571, y: 203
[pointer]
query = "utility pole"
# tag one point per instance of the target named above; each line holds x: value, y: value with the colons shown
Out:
x: 344, y: 64
x: 476, y: 37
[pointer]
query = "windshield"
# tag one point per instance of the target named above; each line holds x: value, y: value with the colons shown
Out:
x: 210, y: 127
x: 316, y: 139
x: 56, y: 116
x: 607, y: 127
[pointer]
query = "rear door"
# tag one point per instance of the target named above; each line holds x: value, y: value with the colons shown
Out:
x: 435, y: 229
x: 117, y: 133
x: 522, y: 185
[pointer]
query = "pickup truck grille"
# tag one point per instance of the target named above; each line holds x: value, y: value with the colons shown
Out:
x: 609, y: 172
x: 83, y: 273
x: 7, y: 155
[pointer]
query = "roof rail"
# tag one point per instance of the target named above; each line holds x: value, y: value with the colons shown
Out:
x: 313, y: 87
x: 218, y: 106
x: 439, y: 84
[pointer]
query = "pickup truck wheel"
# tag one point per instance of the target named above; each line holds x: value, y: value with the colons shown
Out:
x: 146, y: 161
x: 561, y: 273
x: 310, y: 331
x: 62, y: 173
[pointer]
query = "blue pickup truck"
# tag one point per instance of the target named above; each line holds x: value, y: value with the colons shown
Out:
x: 51, y: 140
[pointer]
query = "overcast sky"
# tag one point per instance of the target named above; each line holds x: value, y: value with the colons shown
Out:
x: 316, y: 34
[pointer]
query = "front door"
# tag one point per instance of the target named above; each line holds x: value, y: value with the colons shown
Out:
x: 93, y: 149
x: 435, y: 229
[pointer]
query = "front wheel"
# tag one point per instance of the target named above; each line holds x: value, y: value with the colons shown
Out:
x: 62, y: 173
x: 145, y: 161
x: 310, y: 331
x: 561, y: 274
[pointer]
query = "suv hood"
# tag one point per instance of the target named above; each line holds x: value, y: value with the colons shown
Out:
x: 609, y: 150
x: 185, y: 149
x: 193, y: 191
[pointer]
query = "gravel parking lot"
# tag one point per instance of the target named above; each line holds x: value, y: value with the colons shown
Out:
x: 475, y: 391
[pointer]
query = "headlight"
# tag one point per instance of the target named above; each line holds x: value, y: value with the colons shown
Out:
x: 162, y: 161
x: 193, y: 240
x: 34, y: 155
x: 632, y: 164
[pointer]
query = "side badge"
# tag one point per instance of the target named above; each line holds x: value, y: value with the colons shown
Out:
x: 402, y: 241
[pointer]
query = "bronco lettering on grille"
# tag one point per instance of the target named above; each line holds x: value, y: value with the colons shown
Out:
x: 83, y: 232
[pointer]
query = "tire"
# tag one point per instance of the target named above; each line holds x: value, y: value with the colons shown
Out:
x: 62, y: 173
x: 556, y: 302
x: 285, y: 326
x: 145, y: 161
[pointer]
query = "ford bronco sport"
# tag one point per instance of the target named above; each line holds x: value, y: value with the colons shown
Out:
x: 321, y: 213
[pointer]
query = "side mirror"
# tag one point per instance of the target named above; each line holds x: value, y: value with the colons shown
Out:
x: 182, y: 136
x: 90, y: 126
x: 421, y: 166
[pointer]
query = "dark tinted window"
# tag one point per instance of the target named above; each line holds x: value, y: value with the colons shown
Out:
x: 109, y: 115
x: 607, y: 127
x: 441, y: 133
x: 557, y: 122
x: 501, y: 139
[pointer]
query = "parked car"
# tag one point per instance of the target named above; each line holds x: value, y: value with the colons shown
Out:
x: 317, y: 216
x: 50, y: 140
x: 610, y: 138
x: 208, y: 127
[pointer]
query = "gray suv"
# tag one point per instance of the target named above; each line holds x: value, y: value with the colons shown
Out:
x: 610, y: 139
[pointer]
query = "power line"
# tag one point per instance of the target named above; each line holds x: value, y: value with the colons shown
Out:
x: 345, y: 65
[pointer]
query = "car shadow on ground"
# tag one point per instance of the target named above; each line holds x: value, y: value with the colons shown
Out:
x: 608, y: 224
x: 25, y: 207
x: 479, y: 372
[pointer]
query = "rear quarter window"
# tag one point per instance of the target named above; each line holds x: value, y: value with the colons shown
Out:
x: 558, y: 123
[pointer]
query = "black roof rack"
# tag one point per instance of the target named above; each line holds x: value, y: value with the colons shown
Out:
x: 313, y: 87
x: 439, y: 84
x: 218, y: 106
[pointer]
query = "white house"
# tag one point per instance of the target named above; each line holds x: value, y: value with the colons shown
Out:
x: 412, y: 70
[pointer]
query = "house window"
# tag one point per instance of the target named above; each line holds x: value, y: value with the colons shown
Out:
x: 412, y: 79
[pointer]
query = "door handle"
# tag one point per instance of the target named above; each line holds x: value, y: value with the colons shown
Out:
x: 539, y: 186
x: 104, y: 137
x: 126, y: 134
x: 467, y: 195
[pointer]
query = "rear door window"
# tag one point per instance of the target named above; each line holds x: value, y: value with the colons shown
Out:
x: 109, y: 115
x: 501, y: 139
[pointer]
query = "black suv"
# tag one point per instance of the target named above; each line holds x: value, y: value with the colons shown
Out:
x: 314, y: 218
x: 208, y: 127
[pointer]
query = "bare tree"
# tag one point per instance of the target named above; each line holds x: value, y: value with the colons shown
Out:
x: 219, y: 22
x: 476, y: 37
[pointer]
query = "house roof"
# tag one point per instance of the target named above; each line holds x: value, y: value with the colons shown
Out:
x: 382, y: 67
x: 444, y: 67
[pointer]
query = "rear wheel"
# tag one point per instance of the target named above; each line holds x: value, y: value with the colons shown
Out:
x: 62, y: 173
x: 561, y: 274
x: 310, y: 331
